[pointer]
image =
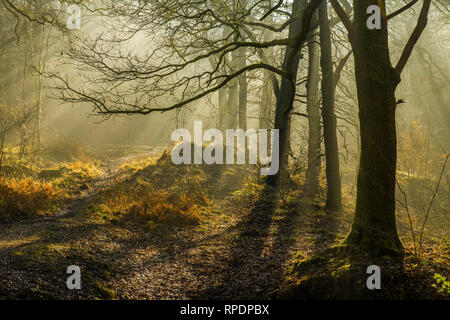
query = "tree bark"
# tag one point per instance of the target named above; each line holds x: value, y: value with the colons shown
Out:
x: 233, y: 95
x: 266, y: 103
x: 283, y: 104
x: 374, y: 227
x: 222, y: 94
x: 334, y: 198
x: 223, y: 100
x: 313, y: 110
x: 38, y: 45
x: 243, y: 89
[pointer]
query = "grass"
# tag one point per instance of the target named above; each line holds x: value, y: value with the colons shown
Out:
x: 139, y: 163
x: 26, y: 197
x: 142, y: 205
x: 77, y: 175
x: 84, y: 170
x: 340, y: 273
x: 153, y: 196
x: 158, y: 193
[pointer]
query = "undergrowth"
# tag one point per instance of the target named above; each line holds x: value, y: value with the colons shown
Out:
x: 26, y: 198
x: 159, y: 193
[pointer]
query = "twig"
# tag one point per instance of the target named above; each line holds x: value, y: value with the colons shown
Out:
x: 431, y: 203
x: 405, y: 205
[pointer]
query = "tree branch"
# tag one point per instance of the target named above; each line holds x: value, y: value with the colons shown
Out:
x: 401, y: 10
x: 77, y: 96
x: 343, y: 16
x: 418, y: 30
x: 279, y: 4
x: 341, y: 65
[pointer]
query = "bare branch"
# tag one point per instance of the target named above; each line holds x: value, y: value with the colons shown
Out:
x: 418, y: 30
x: 279, y: 4
x: 431, y: 202
x: 343, y: 16
x: 401, y: 10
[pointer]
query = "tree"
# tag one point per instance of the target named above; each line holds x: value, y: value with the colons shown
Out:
x: 298, y: 30
x: 266, y: 104
x: 23, y: 44
x: 374, y: 226
x: 313, y: 111
x: 29, y: 27
x: 334, y: 198
x: 319, y: 46
x: 124, y: 83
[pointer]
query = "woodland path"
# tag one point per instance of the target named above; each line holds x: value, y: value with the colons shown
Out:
x: 238, y: 252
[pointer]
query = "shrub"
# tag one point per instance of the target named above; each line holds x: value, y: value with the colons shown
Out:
x: 83, y: 170
x: 67, y: 151
x: 159, y: 193
x: 141, y: 204
x: 161, y: 207
x: 26, y: 198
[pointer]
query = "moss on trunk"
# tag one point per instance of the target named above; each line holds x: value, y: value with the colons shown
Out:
x: 374, y: 227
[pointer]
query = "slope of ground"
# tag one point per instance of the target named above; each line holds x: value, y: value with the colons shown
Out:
x: 239, y: 246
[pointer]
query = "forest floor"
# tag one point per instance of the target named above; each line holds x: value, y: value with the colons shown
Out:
x: 237, y: 245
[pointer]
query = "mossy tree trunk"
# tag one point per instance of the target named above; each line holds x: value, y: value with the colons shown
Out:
x: 374, y: 226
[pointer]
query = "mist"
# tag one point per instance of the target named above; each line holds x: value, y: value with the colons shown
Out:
x: 90, y: 97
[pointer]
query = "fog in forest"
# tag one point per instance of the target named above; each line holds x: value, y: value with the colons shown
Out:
x: 91, y: 92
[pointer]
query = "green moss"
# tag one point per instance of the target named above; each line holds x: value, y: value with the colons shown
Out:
x: 375, y: 244
x: 442, y: 284
x: 341, y: 271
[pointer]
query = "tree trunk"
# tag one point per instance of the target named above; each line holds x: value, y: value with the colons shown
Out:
x: 37, y: 79
x: 243, y: 88
x: 313, y: 110
x: 223, y: 99
x: 283, y: 107
x: 265, y: 114
x: 233, y: 95
x: 334, y: 198
x: 266, y: 103
x: 374, y: 227
x: 222, y: 94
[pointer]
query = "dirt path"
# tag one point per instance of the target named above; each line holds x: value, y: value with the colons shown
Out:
x: 238, y: 252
